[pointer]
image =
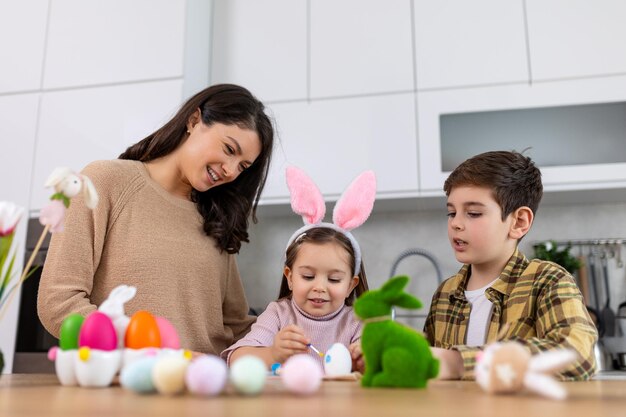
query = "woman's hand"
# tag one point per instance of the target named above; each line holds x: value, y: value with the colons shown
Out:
x: 288, y: 342
x: 358, y: 363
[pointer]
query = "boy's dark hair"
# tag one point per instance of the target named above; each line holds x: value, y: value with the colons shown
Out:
x: 512, y: 177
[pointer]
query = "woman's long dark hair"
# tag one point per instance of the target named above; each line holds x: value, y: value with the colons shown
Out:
x: 226, y: 208
x: 321, y: 235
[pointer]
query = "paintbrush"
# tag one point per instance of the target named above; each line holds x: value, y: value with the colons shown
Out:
x: 315, y: 350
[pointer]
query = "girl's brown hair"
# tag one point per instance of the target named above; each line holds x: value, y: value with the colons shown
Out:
x: 321, y: 235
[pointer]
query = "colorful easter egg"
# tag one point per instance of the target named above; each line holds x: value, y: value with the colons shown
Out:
x: 137, y: 376
x: 206, y: 375
x: 70, y: 329
x: 301, y: 374
x: 142, y: 331
x: 337, y: 360
x: 98, y: 332
x: 169, y: 336
x: 168, y: 374
x: 248, y: 374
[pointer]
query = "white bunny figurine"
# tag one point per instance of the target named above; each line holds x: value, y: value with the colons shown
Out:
x: 507, y: 367
x: 67, y: 184
x: 113, y: 307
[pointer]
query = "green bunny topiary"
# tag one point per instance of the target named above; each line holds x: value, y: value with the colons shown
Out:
x: 395, y: 355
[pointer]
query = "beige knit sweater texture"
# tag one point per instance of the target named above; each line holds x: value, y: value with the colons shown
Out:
x: 141, y: 235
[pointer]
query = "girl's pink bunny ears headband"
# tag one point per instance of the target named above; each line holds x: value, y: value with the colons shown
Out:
x: 351, y: 211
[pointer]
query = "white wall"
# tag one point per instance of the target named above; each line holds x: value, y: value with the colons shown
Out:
x: 82, y: 80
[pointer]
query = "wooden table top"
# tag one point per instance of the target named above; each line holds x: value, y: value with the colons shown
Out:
x: 41, y: 394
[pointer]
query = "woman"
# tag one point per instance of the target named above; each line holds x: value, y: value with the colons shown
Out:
x: 173, y: 211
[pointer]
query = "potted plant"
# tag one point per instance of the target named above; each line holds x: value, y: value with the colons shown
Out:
x: 548, y: 251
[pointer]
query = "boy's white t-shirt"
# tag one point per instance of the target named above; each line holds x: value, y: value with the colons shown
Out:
x: 480, y: 314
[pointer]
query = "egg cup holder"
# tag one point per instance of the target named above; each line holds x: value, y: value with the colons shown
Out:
x: 94, y: 349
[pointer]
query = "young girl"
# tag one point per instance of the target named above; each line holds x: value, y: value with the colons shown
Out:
x: 322, y: 277
x: 173, y: 212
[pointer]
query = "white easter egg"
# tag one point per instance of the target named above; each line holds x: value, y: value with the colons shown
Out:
x: 337, y: 360
x: 168, y: 374
x: 302, y: 374
x: 248, y: 374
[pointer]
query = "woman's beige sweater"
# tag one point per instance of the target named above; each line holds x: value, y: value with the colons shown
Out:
x: 141, y: 235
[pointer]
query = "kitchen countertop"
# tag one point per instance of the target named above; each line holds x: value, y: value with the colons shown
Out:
x: 41, y: 394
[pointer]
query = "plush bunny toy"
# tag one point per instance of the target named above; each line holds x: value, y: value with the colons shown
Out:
x: 507, y: 367
x: 67, y: 184
x: 395, y: 355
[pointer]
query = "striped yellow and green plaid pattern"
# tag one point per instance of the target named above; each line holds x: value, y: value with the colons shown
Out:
x: 536, y: 303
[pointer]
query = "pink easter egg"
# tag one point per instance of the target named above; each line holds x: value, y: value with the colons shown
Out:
x: 169, y: 336
x: 98, y: 332
x: 206, y: 375
x: 301, y: 374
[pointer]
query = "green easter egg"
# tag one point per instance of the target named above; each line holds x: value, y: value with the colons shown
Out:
x: 69, y: 331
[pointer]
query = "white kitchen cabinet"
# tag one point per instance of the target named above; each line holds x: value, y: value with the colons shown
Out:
x: 22, y: 60
x: 576, y: 38
x: 90, y: 43
x: 261, y: 45
x: 460, y: 43
x: 335, y: 140
x: 17, y: 141
x: 360, y: 47
x: 560, y: 174
x: 80, y: 126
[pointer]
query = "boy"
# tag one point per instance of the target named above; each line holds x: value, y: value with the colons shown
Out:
x: 498, y: 293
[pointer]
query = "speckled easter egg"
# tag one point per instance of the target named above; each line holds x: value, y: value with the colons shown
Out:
x: 142, y: 331
x: 98, y: 332
x: 337, y: 360
x: 301, y: 374
x: 70, y: 329
x: 206, y: 375
x: 248, y: 375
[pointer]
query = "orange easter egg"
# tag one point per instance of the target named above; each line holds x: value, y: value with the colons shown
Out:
x: 142, y: 331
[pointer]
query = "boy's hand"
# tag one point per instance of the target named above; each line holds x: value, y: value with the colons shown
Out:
x: 288, y: 342
x: 358, y: 364
x: 450, y: 363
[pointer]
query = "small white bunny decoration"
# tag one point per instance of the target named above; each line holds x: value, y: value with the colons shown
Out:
x: 68, y: 183
x: 113, y: 307
x: 507, y: 367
